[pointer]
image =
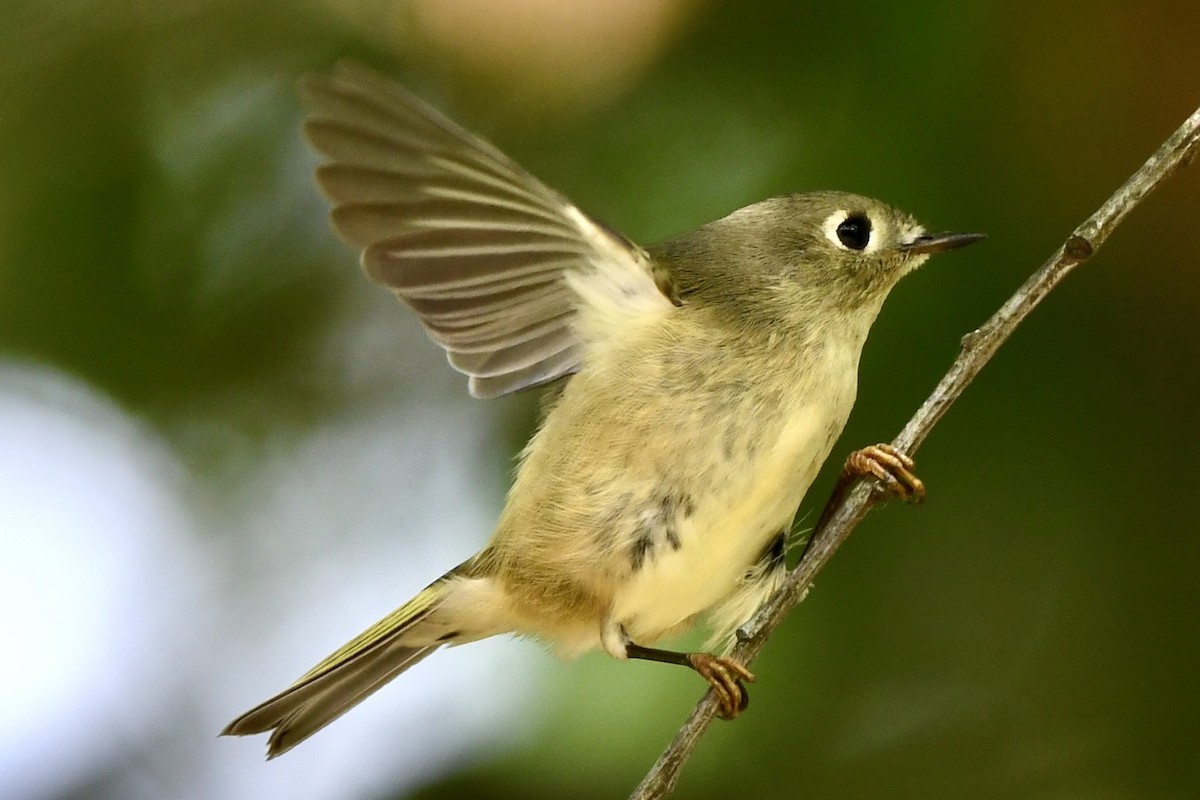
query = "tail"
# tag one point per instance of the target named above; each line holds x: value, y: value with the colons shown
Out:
x: 352, y: 673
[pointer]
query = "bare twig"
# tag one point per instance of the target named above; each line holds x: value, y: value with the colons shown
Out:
x: 978, y: 347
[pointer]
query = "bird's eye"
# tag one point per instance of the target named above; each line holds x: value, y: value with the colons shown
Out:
x: 855, y: 231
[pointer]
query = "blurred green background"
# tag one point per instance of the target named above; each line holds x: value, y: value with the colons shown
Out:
x: 222, y: 452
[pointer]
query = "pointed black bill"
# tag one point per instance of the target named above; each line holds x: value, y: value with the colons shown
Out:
x: 941, y: 242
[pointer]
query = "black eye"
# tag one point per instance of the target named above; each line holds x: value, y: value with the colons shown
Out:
x: 855, y: 231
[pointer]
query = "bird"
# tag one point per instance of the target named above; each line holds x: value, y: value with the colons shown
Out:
x: 695, y: 388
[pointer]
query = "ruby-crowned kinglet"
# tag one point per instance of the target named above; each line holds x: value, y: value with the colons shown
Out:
x: 706, y: 380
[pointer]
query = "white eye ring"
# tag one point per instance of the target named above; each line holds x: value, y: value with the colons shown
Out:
x: 832, y: 225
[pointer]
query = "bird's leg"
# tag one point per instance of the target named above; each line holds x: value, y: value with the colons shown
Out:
x: 893, y: 469
x: 724, y: 674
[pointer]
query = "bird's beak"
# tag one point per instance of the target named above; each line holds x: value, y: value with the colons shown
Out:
x: 928, y: 243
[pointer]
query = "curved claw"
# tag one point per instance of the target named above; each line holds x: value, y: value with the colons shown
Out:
x: 725, y: 676
x: 892, y: 467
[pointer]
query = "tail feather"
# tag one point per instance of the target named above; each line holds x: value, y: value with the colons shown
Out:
x: 337, y: 698
x: 349, y: 675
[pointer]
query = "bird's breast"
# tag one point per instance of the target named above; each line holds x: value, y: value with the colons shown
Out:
x: 757, y: 468
x: 659, y: 479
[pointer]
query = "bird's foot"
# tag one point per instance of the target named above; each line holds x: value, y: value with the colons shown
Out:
x: 725, y: 676
x: 892, y: 467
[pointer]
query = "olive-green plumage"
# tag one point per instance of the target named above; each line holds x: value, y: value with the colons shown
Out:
x: 708, y: 380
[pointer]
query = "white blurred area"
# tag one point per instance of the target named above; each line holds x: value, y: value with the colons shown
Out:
x: 99, y: 566
x: 141, y: 612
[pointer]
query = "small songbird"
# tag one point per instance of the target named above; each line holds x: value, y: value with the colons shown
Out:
x: 701, y: 385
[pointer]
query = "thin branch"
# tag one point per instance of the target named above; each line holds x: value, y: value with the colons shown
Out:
x: 978, y: 347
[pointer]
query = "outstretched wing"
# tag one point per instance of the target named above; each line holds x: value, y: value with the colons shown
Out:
x: 495, y: 263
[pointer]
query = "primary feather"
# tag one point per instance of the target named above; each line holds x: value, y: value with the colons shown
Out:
x: 494, y: 262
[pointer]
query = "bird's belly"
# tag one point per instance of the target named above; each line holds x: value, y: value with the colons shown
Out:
x: 756, y: 499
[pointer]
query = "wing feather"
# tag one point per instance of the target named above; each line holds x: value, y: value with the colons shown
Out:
x: 498, y: 266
